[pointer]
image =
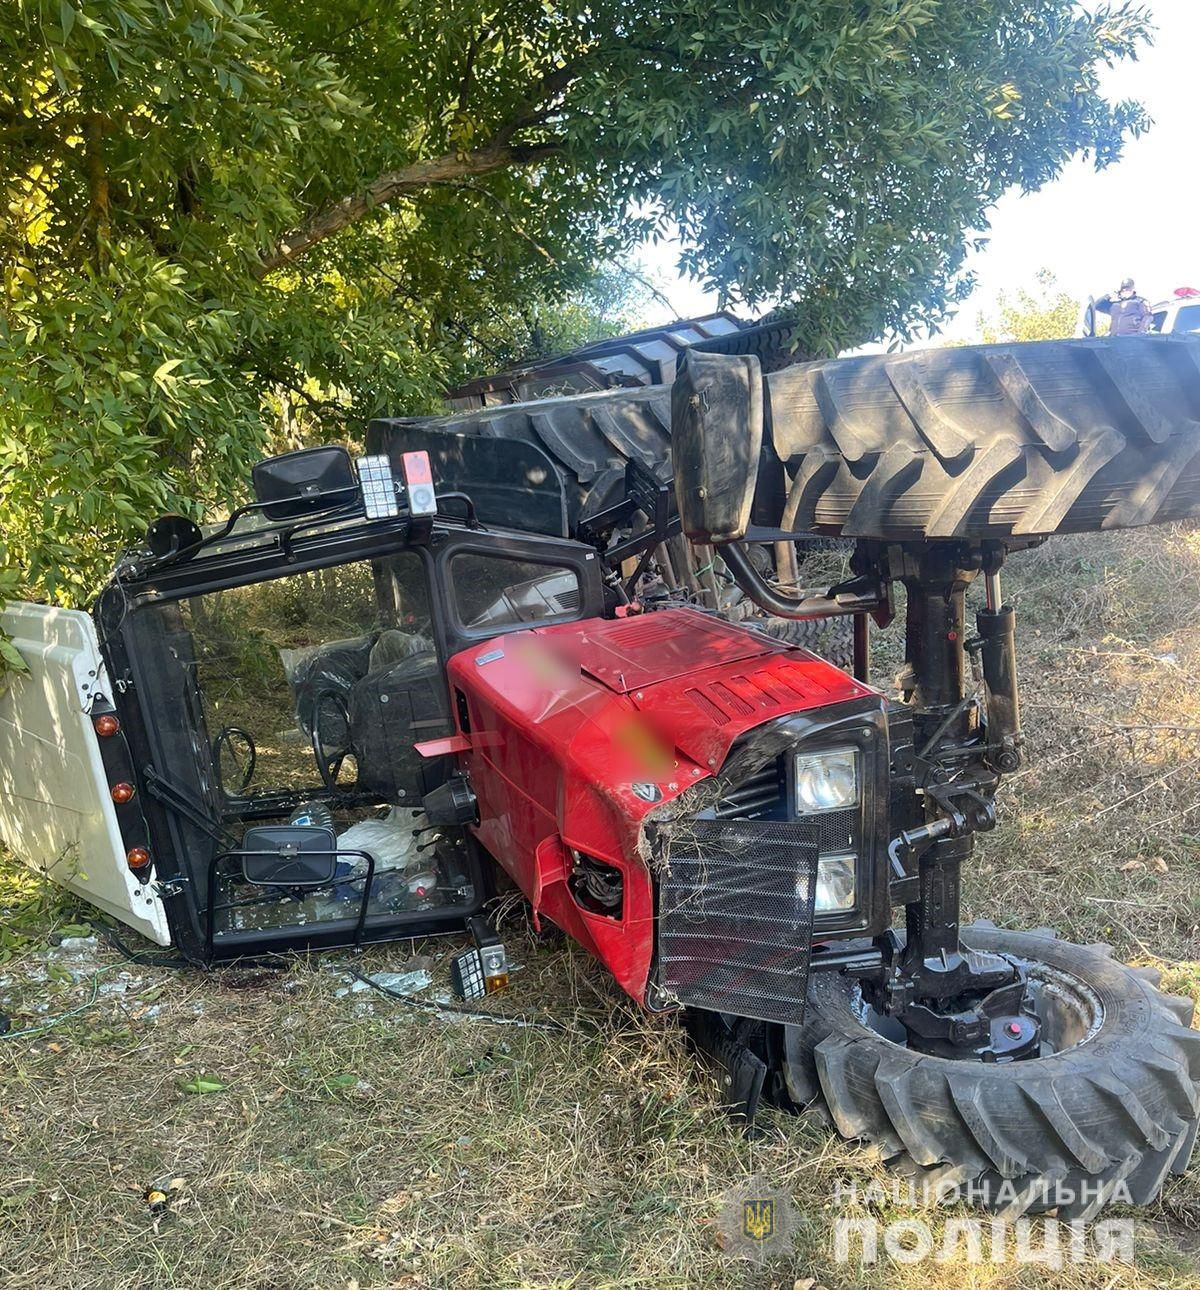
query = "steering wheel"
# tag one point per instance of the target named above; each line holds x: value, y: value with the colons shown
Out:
x: 228, y: 741
x: 329, y: 760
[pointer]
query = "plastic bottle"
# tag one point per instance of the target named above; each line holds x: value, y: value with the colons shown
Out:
x: 312, y: 815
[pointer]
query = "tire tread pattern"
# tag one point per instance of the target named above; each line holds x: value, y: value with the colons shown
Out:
x: 994, y: 440
x: 1121, y: 1108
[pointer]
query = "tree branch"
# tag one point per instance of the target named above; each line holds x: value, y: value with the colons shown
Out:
x: 323, y: 406
x: 545, y: 101
x: 517, y: 227
x: 97, y: 177
x: 468, y: 71
x: 644, y: 281
x: 448, y: 169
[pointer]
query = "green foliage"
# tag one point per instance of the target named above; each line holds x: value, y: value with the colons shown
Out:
x: 1044, y: 313
x: 611, y: 303
x: 148, y: 153
x: 835, y: 156
x: 225, y: 228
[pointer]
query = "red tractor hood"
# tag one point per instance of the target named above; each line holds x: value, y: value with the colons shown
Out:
x: 692, y: 682
x: 628, y: 654
x: 701, y: 682
x: 572, y: 734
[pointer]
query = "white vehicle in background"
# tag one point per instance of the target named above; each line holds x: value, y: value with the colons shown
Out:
x: 1178, y: 315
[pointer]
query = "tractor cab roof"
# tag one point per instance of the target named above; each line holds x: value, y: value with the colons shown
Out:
x: 313, y: 496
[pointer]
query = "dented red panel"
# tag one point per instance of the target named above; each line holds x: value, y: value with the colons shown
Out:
x: 706, y: 712
x: 627, y: 654
x: 578, y: 730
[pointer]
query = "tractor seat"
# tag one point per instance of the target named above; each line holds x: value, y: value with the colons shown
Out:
x: 400, y: 702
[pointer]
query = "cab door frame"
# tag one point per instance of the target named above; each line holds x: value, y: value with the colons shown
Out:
x: 180, y: 875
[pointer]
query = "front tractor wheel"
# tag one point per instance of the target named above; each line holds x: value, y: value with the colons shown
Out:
x: 1106, y: 1112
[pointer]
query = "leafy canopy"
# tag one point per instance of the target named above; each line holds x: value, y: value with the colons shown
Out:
x: 222, y: 227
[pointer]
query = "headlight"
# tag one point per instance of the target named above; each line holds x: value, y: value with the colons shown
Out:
x: 826, y: 781
x: 835, y: 882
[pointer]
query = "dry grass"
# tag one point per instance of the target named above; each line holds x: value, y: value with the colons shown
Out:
x: 354, y: 1140
x: 1102, y: 827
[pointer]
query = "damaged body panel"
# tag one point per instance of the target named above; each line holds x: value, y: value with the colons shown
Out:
x: 584, y: 734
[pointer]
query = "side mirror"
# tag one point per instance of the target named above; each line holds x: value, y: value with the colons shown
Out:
x: 716, y: 437
x: 170, y: 534
x: 298, y: 483
x: 289, y: 855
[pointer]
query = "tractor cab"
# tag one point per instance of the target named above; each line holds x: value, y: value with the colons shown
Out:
x: 255, y: 716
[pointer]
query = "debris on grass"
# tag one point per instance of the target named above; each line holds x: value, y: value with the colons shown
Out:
x: 76, y: 953
x: 407, y: 983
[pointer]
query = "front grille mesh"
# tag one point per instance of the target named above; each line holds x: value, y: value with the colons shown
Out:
x: 735, y: 914
x: 836, y: 830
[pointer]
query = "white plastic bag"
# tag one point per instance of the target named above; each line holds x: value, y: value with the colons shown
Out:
x: 391, y: 840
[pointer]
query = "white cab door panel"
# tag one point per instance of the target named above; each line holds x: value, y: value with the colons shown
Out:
x: 55, y: 810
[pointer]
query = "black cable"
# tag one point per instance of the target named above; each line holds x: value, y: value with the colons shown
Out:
x: 147, y: 958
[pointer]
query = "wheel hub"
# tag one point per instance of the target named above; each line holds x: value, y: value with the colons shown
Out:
x: 1001, y: 1027
x: 960, y: 1003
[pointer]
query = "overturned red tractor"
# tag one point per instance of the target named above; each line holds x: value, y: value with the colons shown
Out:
x: 538, y: 694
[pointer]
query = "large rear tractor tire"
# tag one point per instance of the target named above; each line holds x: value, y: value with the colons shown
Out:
x: 990, y: 441
x: 1108, y: 1111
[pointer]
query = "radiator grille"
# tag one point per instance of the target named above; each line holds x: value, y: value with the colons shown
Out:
x: 735, y: 914
x: 759, y: 794
x: 763, y: 794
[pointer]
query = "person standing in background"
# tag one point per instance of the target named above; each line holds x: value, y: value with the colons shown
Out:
x: 1128, y: 312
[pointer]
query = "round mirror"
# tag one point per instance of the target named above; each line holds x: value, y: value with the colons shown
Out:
x: 170, y: 534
